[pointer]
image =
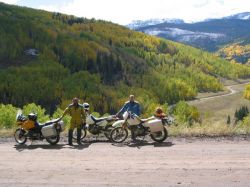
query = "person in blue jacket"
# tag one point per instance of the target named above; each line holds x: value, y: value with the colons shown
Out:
x: 131, y: 105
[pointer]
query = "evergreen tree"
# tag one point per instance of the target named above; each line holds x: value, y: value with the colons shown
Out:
x: 228, y: 119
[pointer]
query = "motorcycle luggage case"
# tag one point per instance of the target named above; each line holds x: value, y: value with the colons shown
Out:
x: 155, y: 125
x: 29, y: 124
x: 49, y: 131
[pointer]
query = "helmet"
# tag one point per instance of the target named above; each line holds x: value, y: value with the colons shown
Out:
x: 85, y: 106
x: 32, y: 116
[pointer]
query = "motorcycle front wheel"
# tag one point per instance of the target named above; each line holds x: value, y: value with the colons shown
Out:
x: 83, y: 133
x: 160, y: 136
x: 119, y: 134
x: 53, y: 140
x: 19, y: 136
x: 107, y: 131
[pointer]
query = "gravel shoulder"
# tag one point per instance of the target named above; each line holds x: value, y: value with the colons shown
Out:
x: 176, y: 162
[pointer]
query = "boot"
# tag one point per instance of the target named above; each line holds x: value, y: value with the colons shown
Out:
x: 79, y: 134
x: 70, y: 136
x: 133, y: 137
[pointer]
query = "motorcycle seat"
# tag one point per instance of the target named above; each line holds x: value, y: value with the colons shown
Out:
x: 144, y: 120
x: 97, y: 120
x: 48, y: 123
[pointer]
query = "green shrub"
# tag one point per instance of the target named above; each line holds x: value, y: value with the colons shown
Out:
x: 241, y: 113
x: 246, y: 121
x: 41, y: 116
x: 185, y: 113
x: 96, y: 114
x: 7, y: 116
x: 247, y: 92
x: 58, y: 113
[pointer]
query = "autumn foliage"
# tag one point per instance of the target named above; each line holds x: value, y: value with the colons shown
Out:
x: 99, y: 62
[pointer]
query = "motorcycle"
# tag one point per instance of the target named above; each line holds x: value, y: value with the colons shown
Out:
x: 96, y: 126
x: 153, y: 126
x: 50, y: 131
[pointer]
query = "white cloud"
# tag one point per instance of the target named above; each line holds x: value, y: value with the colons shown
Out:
x: 124, y: 11
x: 13, y: 2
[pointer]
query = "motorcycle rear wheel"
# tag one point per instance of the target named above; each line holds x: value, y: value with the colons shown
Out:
x: 160, y: 136
x: 19, y: 137
x: 53, y: 140
x: 83, y: 134
x: 119, y: 134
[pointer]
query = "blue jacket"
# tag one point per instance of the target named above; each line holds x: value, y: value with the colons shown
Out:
x: 133, y: 107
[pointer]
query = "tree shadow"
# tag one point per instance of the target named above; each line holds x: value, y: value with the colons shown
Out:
x: 36, y: 146
x: 79, y: 147
x: 50, y: 147
x: 96, y: 141
x: 140, y: 143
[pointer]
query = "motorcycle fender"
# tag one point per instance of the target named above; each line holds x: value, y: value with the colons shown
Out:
x: 118, y: 123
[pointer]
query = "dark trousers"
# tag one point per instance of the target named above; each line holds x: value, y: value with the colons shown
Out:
x: 70, y: 135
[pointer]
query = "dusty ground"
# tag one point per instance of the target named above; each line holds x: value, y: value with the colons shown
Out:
x: 177, y: 162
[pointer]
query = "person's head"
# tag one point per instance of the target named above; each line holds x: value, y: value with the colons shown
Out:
x: 131, y: 98
x: 75, y: 101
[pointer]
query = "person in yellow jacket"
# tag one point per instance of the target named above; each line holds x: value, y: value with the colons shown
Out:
x: 78, y: 117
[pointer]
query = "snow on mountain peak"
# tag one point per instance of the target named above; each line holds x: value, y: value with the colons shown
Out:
x: 242, y: 16
x: 139, y: 23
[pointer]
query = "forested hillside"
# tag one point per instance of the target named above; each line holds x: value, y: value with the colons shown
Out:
x: 236, y: 52
x: 48, y: 58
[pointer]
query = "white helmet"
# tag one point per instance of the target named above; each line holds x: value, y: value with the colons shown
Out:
x: 85, y: 106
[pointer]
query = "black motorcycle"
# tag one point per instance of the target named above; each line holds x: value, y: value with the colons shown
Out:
x: 31, y: 129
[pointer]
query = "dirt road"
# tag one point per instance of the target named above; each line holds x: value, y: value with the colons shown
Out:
x: 233, y: 89
x: 177, y: 162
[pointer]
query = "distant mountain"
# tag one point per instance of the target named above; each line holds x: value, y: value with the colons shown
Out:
x: 209, y: 35
x: 243, y: 16
x: 138, y: 23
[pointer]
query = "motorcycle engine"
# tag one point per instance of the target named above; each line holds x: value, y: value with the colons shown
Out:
x: 94, y: 129
x: 33, y: 134
x: 138, y: 130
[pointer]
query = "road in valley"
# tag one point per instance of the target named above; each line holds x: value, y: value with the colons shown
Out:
x: 233, y: 89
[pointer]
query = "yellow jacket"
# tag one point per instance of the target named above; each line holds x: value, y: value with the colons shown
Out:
x: 77, y: 114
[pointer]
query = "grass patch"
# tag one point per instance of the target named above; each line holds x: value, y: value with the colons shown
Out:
x: 216, y: 129
x: 6, y: 132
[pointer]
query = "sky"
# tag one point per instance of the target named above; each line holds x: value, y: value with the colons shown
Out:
x: 125, y: 11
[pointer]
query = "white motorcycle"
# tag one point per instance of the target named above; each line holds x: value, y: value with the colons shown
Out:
x: 153, y: 126
x: 96, y: 126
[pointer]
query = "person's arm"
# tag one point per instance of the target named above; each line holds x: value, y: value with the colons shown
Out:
x: 66, y: 111
x: 123, y: 109
x: 138, y: 109
x: 83, y: 115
